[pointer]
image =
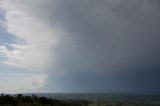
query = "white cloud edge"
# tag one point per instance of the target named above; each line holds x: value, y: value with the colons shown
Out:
x: 38, y: 38
x: 33, y: 54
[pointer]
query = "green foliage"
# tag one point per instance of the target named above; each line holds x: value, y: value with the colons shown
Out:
x: 21, y: 100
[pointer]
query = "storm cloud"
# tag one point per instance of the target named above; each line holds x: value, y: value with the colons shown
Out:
x: 89, y: 45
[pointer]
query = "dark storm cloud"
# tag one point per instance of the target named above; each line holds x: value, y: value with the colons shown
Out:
x: 107, y: 33
x: 108, y: 43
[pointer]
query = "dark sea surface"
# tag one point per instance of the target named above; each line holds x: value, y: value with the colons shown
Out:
x: 100, y: 97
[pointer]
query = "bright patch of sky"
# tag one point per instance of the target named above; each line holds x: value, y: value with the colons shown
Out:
x: 5, y: 37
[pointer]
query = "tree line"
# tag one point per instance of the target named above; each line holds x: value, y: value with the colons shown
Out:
x: 21, y: 100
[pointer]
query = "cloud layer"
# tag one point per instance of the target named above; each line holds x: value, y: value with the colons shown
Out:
x: 91, y: 37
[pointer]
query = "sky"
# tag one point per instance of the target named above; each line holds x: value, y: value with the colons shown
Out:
x: 80, y: 46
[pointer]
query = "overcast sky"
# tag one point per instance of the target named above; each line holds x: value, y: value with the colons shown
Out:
x: 80, y: 46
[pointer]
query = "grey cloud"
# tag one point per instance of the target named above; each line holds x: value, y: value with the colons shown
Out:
x: 107, y: 36
x: 107, y: 33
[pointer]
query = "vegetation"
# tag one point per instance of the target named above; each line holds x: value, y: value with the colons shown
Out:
x: 21, y: 100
